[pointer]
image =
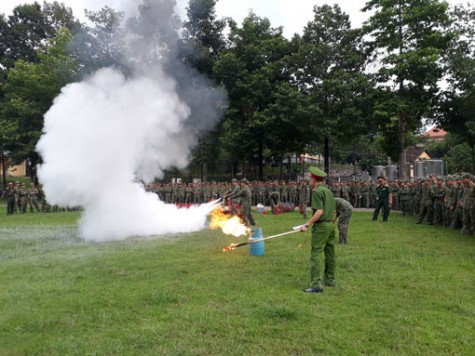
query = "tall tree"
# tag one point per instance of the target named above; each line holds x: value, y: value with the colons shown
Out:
x: 328, y: 68
x: 29, y: 26
x: 458, y: 99
x: 29, y: 92
x: 202, y: 41
x: 407, y: 38
x: 203, y: 35
x: 101, y: 44
x: 253, y: 71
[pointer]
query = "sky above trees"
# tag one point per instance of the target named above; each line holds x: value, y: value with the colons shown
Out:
x: 292, y: 15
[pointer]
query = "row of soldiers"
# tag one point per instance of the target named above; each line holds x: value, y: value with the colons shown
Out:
x: 21, y: 198
x: 448, y: 202
x: 266, y: 193
x: 444, y: 201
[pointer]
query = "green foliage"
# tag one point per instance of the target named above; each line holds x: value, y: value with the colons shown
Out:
x: 253, y: 72
x: 408, y: 39
x: 203, y: 35
x: 29, y: 92
x: 457, y: 103
x: 400, y: 286
x: 24, y: 32
x: 328, y: 66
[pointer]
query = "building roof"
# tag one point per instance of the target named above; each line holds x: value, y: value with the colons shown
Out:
x: 435, y: 133
x: 413, y: 154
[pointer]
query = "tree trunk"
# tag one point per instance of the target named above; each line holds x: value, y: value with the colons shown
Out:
x: 260, y: 159
x: 326, y: 156
x: 402, y: 147
x: 4, y: 169
x: 204, y: 172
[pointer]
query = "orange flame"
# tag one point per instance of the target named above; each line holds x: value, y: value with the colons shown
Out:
x: 230, y: 225
x: 231, y: 247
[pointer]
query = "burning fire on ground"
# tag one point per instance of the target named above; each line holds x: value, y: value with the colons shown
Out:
x: 230, y: 225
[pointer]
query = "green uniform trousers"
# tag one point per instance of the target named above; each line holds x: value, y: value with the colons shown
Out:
x: 322, y: 258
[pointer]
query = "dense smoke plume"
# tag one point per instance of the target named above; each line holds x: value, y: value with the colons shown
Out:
x: 107, y: 134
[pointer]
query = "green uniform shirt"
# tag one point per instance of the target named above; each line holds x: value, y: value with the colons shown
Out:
x: 323, y: 199
x: 383, y: 192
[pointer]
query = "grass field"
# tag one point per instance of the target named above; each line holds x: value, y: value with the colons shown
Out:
x: 403, y: 289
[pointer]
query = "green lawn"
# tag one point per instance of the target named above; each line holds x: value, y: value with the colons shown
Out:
x: 402, y: 289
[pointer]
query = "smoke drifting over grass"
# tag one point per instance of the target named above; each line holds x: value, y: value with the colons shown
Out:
x: 105, y: 134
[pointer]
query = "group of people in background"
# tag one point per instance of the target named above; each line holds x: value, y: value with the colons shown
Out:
x: 21, y: 198
x: 444, y: 201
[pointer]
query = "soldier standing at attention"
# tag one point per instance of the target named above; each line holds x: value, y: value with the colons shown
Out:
x: 274, y: 198
x: 322, y: 258
x: 468, y: 202
x: 9, y: 195
x: 365, y: 193
x: 245, y: 198
x: 303, y: 197
x: 23, y: 196
x: 343, y: 213
x: 426, y: 205
x: 233, y: 195
x: 33, y: 193
x: 384, y: 199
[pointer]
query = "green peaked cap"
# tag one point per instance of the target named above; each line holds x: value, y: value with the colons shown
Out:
x: 317, y: 172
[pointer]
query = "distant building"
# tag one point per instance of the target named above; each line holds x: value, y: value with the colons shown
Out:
x: 414, y: 154
x: 15, y: 171
x: 435, y: 134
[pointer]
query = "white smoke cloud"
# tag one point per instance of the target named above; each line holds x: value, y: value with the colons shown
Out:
x: 104, y: 135
x: 98, y: 135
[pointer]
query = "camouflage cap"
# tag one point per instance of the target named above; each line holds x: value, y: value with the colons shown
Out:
x: 467, y: 175
x: 244, y: 180
x: 234, y: 180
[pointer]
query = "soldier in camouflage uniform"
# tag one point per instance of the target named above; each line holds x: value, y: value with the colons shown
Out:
x: 450, y: 201
x: 456, y: 222
x: 336, y: 189
x: 179, y: 194
x: 22, y: 198
x: 345, y: 191
x: 358, y: 194
x: 274, y: 198
x: 372, y: 195
x: 468, y: 202
x: 293, y: 193
x: 245, y: 199
x: 33, y: 193
x: 9, y: 195
x: 426, y: 206
x: 284, y: 192
x: 439, y: 202
x: 233, y: 194
x: 395, y: 191
x: 261, y: 194
x: 303, y: 197
x: 365, y: 201
x: 343, y: 213
x: 404, y: 198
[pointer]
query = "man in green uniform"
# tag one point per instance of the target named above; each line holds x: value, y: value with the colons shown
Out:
x: 245, y: 197
x: 322, y: 258
x: 384, y: 199
x: 9, y: 195
x: 33, y: 193
x: 303, y: 195
x: 343, y: 213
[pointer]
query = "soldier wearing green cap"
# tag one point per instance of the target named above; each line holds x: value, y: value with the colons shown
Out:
x: 384, y: 199
x: 322, y: 258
